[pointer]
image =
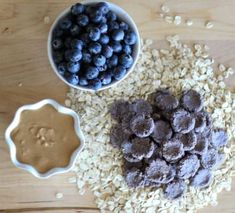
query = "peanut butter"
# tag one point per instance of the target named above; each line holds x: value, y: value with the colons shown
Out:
x: 45, y: 138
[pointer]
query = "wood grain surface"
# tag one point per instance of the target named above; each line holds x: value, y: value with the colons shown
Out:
x: 23, y: 60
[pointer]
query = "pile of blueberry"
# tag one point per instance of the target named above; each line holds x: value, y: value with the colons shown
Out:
x: 166, y: 141
x: 92, y: 47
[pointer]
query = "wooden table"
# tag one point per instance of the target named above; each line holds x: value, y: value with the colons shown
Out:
x: 23, y: 60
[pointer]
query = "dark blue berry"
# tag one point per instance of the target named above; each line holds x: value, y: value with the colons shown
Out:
x: 77, y: 44
x: 57, y: 44
x: 85, y: 38
x: 91, y: 72
x: 123, y: 26
x: 57, y: 33
x: 99, y: 60
x: 73, y: 55
x: 95, y: 48
x: 75, y: 30
x: 73, y: 79
x: 73, y: 67
x: 83, y: 81
x: 95, y: 84
x: 96, y: 16
x: 102, y: 68
x: 126, y: 60
x: 94, y: 33
x: 113, y: 61
x: 130, y: 38
x: 119, y: 72
x: 67, y: 42
x: 77, y: 9
x: 126, y: 49
x: 82, y: 20
x: 105, y: 77
x: 111, y: 16
x: 104, y: 39
x: 65, y: 24
x: 103, y: 28
x: 102, y: 7
x: 103, y: 20
x: 117, y: 47
x: 107, y: 51
x: 62, y: 68
x: 86, y: 57
x: 113, y: 26
x: 118, y: 35
x: 57, y: 57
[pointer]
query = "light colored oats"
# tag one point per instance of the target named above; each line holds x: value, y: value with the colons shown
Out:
x: 72, y: 180
x: 68, y: 102
x: 209, y: 24
x: 59, y: 195
x: 165, y: 8
x: 169, y: 19
x: 20, y: 84
x: 189, y: 22
x: 47, y: 19
x: 177, y: 20
x: 99, y: 166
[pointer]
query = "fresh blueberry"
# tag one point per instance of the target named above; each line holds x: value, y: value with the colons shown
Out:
x: 105, y: 77
x: 103, y: 7
x: 57, y: 57
x: 91, y: 72
x: 67, y: 42
x: 119, y: 72
x: 73, y: 79
x: 126, y: 49
x: 82, y: 20
x: 95, y: 48
x: 96, y: 16
x: 62, y: 68
x: 95, y: 84
x: 126, y: 60
x: 111, y: 16
x: 103, y: 20
x: 107, y: 51
x: 103, y: 28
x: 104, y: 39
x: 83, y: 81
x: 75, y: 30
x: 57, y: 44
x: 85, y: 38
x: 65, y: 24
x: 73, y: 67
x: 86, y: 57
x: 113, y: 61
x: 102, y: 68
x: 117, y: 47
x: 118, y: 35
x: 130, y: 38
x: 94, y: 34
x: 99, y: 60
x: 73, y: 55
x: 77, y: 44
x: 57, y: 32
x: 113, y: 26
x: 77, y: 9
x: 123, y: 26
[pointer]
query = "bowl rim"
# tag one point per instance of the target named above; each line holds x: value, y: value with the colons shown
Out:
x: 113, y: 7
x: 15, y: 122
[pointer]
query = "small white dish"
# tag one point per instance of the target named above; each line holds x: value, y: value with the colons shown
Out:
x: 123, y: 15
x: 15, y: 123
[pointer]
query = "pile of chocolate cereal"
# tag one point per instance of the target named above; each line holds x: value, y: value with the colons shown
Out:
x: 167, y: 142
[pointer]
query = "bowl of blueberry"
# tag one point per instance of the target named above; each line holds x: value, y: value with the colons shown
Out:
x: 93, y: 45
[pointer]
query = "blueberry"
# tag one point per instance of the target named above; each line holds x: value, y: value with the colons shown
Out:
x: 62, y: 68
x: 126, y: 49
x: 103, y: 7
x: 107, y: 51
x: 73, y: 67
x: 117, y: 47
x: 75, y: 30
x: 67, y: 42
x: 73, y: 55
x: 77, y: 9
x: 96, y: 16
x: 77, y: 44
x: 73, y: 79
x: 95, y: 84
x: 119, y: 72
x: 103, y: 20
x: 111, y: 16
x: 126, y: 60
x: 94, y: 34
x: 91, y: 72
x: 86, y: 57
x: 113, y: 26
x: 102, y: 68
x: 99, y: 60
x: 65, y: 24
x: 103, y: 28
x: 118, y: 35
x: 57, y: 57
x: 130, y: 38
x: 95, y: 48
x: 83, y: 81
x: 82, y: 20
x: 85, y: 38
x: 123, y: 26
x: 104, y: 39
x: 105, y: 77
x: 57, y: 44
x: 57, y: 32
x: 113, y: 61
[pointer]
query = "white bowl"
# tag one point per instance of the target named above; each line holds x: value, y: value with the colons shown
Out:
x: 123, y: 15
x: 15, y: 123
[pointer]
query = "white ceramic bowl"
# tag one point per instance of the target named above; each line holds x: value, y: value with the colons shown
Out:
x: 123, y: 15
x: 60, y: 109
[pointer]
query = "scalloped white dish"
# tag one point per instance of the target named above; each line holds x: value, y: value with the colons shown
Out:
x: 59, y: 108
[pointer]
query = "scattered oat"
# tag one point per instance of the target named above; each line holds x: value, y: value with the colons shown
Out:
x: 209, y: 24
x: 20, y: 84
x: 165, y: 8
x: 169, y: 19
x: 59, y: 195
x: 189, y: 22
x: 67, y: 102
x: 177, y: 20
x: 72, y: 180
x: 47, y: 19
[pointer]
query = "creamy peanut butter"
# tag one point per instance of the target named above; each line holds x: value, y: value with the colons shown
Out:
x: 45, y: 138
